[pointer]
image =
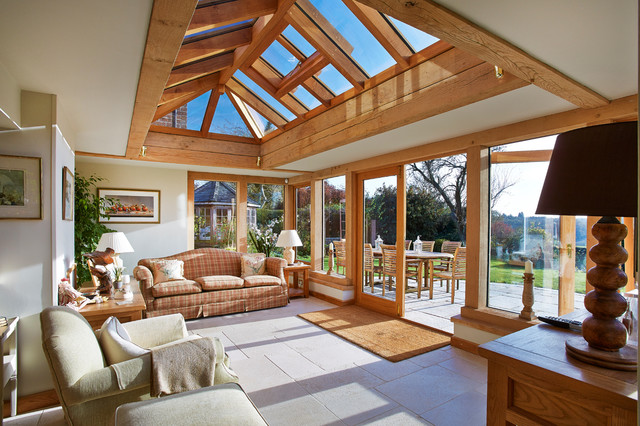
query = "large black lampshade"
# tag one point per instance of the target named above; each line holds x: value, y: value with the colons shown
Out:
x: 593, y: 171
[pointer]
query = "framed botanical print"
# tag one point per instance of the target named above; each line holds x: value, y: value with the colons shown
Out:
x: 130, y: 205
x: 68, y: 198
x: 20, y: 187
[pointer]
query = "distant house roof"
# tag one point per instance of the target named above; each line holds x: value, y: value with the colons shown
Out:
x: 219, y: 193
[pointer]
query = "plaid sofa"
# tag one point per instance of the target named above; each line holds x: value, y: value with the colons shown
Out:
x: 212, y: 285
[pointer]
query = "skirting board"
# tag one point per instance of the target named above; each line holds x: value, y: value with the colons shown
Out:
x: 330, y: 299
x: 33, y: 402
x: 465, y: 345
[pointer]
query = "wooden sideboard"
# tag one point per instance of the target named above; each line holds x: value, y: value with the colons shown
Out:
x: 531, y: 381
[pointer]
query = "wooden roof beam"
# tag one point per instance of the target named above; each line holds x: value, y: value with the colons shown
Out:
x: 200, y: 69
x: 218, y: 15
x: 167, y: 25
x: 313, y: 65
x: 213, y: 45
x: 318, y: 37
x: 256, y: 102
x: 262, y: 74
x: 292, y: 48
x: 382, y: 31
x: 198, y: 85
x: 211, y: 110
x: 248, y: 118
x: 263, y: 32
x: 318, y: 90
x: 446, y: 25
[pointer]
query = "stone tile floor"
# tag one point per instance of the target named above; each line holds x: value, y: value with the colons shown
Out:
x: 299, y: 374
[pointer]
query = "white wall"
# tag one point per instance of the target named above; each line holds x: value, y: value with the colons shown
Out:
x: 148, y: 240
x: 35, y: 253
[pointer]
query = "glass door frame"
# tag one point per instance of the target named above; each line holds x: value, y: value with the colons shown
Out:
x: 369, y: 301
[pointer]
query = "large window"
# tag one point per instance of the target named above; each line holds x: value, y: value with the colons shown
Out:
x: 556, y: 245
x: 215, y: 214
x: 265, y: 216
x: 334, y: 228
x: 303, y: 222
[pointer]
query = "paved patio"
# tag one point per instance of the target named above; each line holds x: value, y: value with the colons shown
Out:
x: 438, y: 311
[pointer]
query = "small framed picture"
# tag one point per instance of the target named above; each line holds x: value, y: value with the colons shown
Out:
x: 130, y: 205
x: 68, y: 199
x: 20, y: 187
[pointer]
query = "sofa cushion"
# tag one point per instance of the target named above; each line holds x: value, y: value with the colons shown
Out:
x: 252, y: 264
x: 171, y: 288
x: 167, y: 270
x: 259, y: 280
x: 219, y: 282
x: 116, y: 343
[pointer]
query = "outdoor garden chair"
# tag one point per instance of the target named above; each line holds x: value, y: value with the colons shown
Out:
x: 456, y: 271
x: 389, y: 268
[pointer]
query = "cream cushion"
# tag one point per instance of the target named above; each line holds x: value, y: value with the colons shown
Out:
x: 252, y: 264
x: 116, y: 344
x: 167, y: 270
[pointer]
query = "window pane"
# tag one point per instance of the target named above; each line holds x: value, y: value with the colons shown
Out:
x: 227, y: 120
x: 416, y: 38
x: 305, y: 97
x: 195, y: 111
x: 334, y: 80
x: 265, y: 217
x: 264, y: 95
x: 214, y: 214
x: 280, y: 58
x: 303, y: 222
x: 334, y: 212
x: 299, y: 41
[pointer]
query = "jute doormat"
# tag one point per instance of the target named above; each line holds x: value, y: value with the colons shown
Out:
x: 390, y: 338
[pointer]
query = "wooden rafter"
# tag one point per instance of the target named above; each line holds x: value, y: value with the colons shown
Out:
x: 256, y: 102
x: 382, y: 31
x: 199, y: 85
x: 292, y: 48
x: 200, y: 69
x: 440, y: 22
x: 212, y: 45
x: 216, y: 15
x: 167, y: 25
x: 311, y: 66
x: 248, y: 118
x: 211, y: 109
x: 264, y: 31
x: 452, y: 80
x: 318, y: 37
x: 263, y: 75
x: 166, y: 108
x: 318, y: 90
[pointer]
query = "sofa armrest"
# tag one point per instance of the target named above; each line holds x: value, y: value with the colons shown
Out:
x: 102, y: 383
x: 156, y: 331
x: 275, y: 266
x: 145, y: 280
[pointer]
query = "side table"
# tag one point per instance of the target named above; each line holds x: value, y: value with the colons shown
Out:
x: 9, y: 371
x: 294, y: 290
x: 124, y: 310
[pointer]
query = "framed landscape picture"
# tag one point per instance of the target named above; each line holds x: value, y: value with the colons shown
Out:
x: 131, y: 205
x: 20, y: 187
x: 67, y: 194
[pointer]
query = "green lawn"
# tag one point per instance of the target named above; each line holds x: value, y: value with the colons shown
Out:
x: 502, y: 272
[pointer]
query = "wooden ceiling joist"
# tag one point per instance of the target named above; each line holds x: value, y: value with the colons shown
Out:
x: 216, y: 15
x: 444, y: 24
x: 382, y: 31
x: 311, y: 66
x: 318, y: 37
x: 199, y: 85
x: 256, y: 103
x: 167, y: 25
x: 213, y: 45
x: 200, y: 69
x: 451, y: 80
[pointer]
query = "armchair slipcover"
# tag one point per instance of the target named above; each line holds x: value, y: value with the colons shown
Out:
x: 88, y: 389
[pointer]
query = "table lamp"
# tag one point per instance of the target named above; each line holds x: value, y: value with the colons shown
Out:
x: 593, y: 171
x: 118, y: 242
x: 288, y: 239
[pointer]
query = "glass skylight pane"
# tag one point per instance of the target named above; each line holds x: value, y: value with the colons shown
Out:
x: 280, y: 58
x: 305, y: 97
x: 264, y: 95
x: 223, y: 29
x: 266, y: 126
x: 195, y: 111
x: 299, y: 41
x: 418, y: 39
x: 227, y: 120
x: 334, y: 80
x: 369, y: 54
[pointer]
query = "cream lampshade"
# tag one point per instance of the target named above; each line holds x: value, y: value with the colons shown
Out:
x: 118, y: 242
x: 288, y: 239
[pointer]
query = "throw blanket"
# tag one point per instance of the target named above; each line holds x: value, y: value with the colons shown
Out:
x: 182, y: 367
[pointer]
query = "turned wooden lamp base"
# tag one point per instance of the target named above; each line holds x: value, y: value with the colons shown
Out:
x: 625, y: 358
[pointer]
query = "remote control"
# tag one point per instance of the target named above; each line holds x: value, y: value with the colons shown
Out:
x: 562, y: 322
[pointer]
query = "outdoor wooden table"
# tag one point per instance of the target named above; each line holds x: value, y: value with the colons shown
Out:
x: 425, y: 258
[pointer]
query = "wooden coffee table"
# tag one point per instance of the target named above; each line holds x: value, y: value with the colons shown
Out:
x: 124, y: 310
